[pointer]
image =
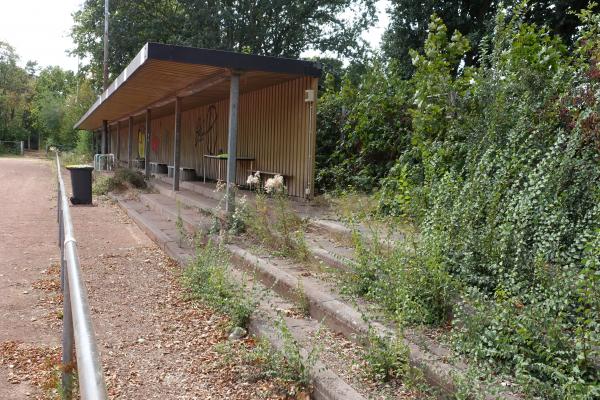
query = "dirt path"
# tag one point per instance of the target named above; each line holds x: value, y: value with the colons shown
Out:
x: 27, y: 248
x: 153, y: 343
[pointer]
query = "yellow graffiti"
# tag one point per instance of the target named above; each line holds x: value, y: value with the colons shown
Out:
x: 141, y: 143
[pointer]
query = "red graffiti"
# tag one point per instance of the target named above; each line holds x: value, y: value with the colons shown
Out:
x: 155, y: 143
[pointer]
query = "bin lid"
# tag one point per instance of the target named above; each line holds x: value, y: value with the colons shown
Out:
x: 82, y: 166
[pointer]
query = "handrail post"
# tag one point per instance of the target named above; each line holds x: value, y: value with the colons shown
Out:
x: 67, y: 341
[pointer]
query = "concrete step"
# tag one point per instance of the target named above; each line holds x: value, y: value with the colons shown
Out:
x: 318, y: 245
x: 190, y: 198
x: 285, y: 278
x: 327, y: 384
x: 199, y: 187
x: 170, y: 209
x: 329, y: 251
x: 290, y: 281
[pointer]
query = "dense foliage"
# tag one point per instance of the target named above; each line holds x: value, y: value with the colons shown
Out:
x: 362, y: 128
x: 39, y: 106
x: 473, y: 18
x: 500, y: 178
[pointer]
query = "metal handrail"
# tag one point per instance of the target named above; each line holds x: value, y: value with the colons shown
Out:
x: 78, y: 332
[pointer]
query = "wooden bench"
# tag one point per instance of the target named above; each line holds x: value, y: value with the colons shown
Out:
x: 185, y: 174
x: 158, y: 168
x: 138, y: 163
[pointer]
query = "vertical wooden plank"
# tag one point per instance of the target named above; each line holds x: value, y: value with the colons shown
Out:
x: 313, y: 137
x: 177, y: 144
x: 118, y: 155
x: 130, y: 143
x: 147, y: 143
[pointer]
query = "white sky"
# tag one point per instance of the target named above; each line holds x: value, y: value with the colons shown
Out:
x: 39, y: 29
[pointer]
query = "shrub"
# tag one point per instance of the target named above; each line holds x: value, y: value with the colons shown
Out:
x: 412, y: 286
x: 362, y: 128
x: 502, y: 182
x: 387, y: 357
x: 122, y: 179
x: 275, y: 224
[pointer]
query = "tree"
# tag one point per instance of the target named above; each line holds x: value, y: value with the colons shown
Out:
x: 14, y: 91
x: 51, y: 89
x: 473, y: 18
x: 276, y: 28
x: 409, y: 22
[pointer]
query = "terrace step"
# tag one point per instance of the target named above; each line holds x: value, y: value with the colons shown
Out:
x: 327, y: 384
x: 290, y: 281
x: 203, y: 189
x: 319, y: 245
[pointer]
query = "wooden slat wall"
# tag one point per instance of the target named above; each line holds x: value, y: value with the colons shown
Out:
x: 273, y: 128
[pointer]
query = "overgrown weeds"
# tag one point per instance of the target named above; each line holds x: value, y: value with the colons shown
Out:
x: 122, y: 179
x: 74, y: 158
x: 287, y: 363
x: 207, y: 279
x: 387, y: 357
x: 409, y: 285
x: 272, y: 221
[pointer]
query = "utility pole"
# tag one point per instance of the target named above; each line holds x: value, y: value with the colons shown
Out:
x: 105, y: 44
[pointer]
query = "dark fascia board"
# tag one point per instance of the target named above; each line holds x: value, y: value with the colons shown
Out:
x: 217, y: 58
x: 232, y: 60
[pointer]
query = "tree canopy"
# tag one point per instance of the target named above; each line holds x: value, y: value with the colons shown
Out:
x: 473, y: 18
x: 276, y: 28
x: 40, y: 104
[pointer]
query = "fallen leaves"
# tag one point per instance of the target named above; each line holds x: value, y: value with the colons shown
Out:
x: 39, y: 366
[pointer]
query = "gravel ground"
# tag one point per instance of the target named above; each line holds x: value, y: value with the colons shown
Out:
x: 154, y: 344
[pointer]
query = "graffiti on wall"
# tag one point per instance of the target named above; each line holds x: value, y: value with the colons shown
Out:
x: 205, y: 130
x: 141, y: 141
x: 155, y: 143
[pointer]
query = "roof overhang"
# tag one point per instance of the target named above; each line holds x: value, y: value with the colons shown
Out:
x: 159, y: 73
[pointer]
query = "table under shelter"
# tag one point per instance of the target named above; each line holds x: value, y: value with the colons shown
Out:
x: 202, y: 112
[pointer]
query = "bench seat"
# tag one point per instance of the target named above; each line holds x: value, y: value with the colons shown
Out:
x: 186, y: 174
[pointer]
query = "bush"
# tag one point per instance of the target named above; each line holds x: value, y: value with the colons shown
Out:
x: 122, y: 179
x: 286, y: 363
x: 501, y: 178
x: 410, y: 285
x: 362, y: 128
x: 386, y: 357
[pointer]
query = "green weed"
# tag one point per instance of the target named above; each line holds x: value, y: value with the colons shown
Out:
x: 207, y: 279
x: 387, y: 357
